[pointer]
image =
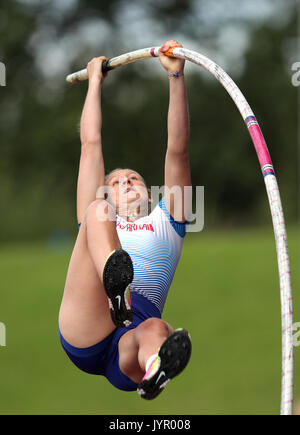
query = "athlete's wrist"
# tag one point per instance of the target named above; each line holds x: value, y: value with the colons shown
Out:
x: 95, y: 81
x: 175, y: 74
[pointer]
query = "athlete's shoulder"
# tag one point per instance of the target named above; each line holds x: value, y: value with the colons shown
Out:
x: 160, y: 213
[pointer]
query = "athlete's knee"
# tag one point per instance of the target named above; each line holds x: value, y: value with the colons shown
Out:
x: 101, y: 210
x: 154, y: 326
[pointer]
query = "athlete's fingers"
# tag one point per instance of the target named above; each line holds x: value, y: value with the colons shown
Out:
x: 169, y: 44
x: 94, y: 67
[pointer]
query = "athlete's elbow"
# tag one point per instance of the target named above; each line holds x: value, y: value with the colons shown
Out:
x: 91, y: 142
x: 177, y: 155
x: 178, y: 146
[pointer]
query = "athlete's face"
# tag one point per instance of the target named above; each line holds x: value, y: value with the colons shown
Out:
x: 128, y: 187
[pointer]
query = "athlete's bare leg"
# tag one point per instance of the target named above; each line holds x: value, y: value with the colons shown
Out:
x: 84, y: 317
x: 137, y: 345
x: 169, y: 350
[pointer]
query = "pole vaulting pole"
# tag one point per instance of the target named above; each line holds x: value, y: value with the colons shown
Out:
x: 271, y: 187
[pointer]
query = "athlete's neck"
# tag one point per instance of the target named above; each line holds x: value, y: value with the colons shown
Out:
x: 132, y: 215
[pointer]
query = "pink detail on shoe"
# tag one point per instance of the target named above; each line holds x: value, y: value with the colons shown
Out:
x: 152, y: 366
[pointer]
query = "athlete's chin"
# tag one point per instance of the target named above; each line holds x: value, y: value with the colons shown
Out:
x: 132, y: 196
x: 136, y: 200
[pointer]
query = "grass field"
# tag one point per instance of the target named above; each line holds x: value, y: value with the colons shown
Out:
x: 225, y: 292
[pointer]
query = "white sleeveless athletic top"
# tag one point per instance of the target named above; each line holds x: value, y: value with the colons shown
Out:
x: 154, y: 243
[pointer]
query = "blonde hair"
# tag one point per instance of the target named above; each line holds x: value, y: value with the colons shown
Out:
x: 122, y: 169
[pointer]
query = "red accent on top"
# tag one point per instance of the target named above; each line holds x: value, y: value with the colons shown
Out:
x: 152, y: 52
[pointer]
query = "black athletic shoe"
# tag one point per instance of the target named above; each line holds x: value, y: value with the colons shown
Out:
x: 117, y: 275
x: 173, y: 357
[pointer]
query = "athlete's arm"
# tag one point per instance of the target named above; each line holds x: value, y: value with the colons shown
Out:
x: 91, y: 168
x: 177, y: 167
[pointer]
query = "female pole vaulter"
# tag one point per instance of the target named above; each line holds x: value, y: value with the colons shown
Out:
x: 124, y: 259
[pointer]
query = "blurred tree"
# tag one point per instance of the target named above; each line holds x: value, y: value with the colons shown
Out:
x: 39, y: 119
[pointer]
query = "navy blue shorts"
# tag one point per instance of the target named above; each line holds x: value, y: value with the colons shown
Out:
x: 103, y: 358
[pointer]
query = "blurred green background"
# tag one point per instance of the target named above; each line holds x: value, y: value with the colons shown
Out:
x: 226, y: 289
